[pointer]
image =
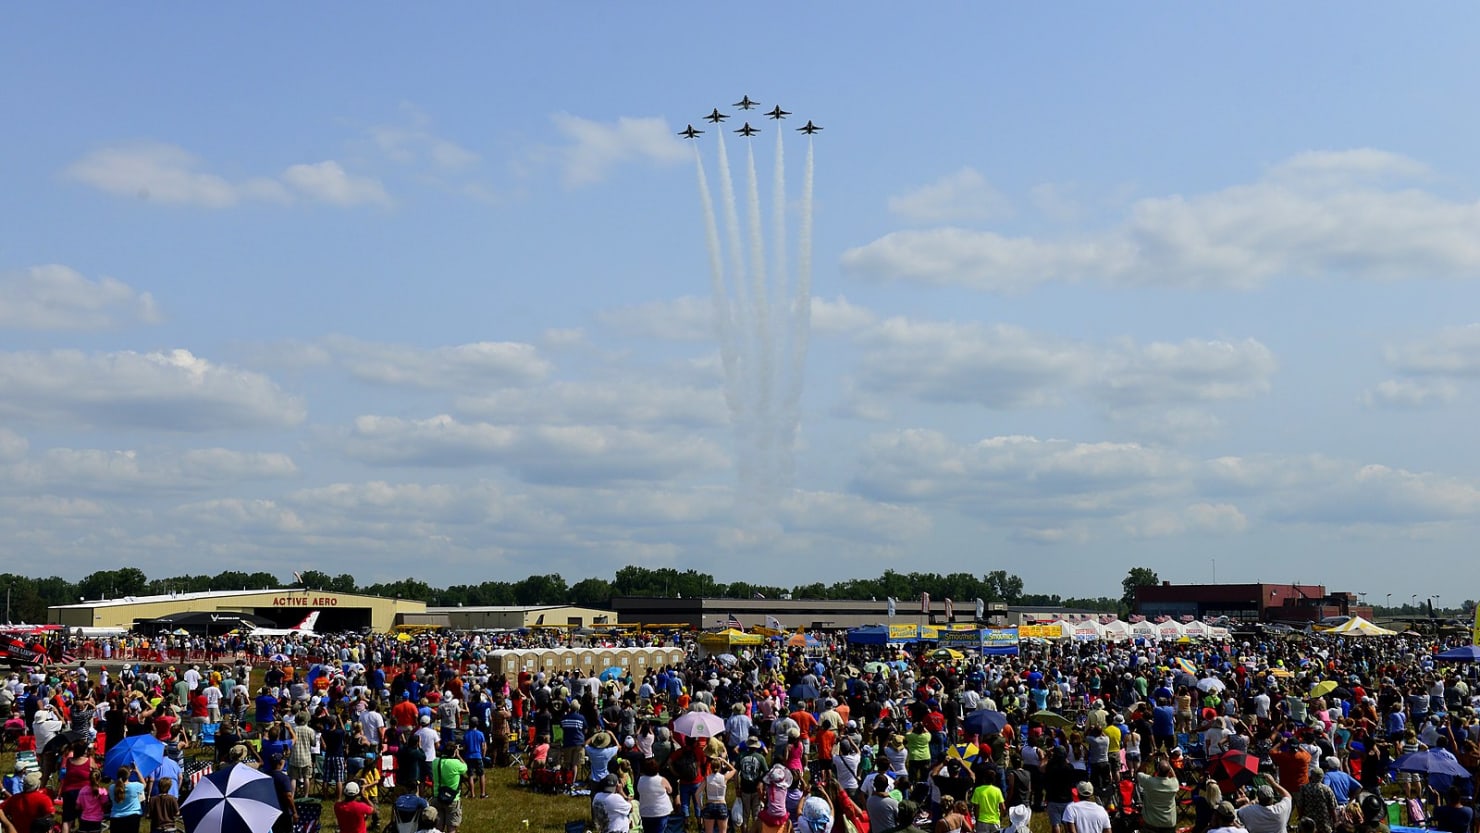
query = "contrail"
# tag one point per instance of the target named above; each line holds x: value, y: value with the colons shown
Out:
x: 781, y: 425
x: 801, y: 314
x: 761, y: 313
x: 747, y: 447
x: 719, y: 296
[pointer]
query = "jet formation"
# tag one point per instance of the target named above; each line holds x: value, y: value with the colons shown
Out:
x: 746, y: 103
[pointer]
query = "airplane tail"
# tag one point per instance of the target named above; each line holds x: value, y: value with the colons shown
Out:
x: 308, y: 622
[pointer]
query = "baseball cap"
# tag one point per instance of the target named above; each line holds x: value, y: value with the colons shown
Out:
x: 1085, y: 789
x: 351, y: 790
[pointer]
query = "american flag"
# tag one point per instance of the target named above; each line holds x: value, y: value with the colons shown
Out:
x: 734, y: 622
x: 196, y: 773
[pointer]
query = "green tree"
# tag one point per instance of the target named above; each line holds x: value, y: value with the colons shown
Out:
x: 1137, y: 577
x: 591, y: 592
x: 315, y: 580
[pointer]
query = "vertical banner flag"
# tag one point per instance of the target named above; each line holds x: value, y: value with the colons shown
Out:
x: 950, y: 609
x: 925, y: 603
x: 891, y: 607
x: 1475, y: 630
x: 981, y: 608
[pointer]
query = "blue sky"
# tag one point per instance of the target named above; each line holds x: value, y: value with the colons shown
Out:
x: 1093, y: 287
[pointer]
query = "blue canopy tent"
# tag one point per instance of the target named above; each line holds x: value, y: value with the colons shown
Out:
x: 1464, y: 653
x: 869, y: 635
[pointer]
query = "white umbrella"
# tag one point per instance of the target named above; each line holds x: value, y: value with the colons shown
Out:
x: 698, y: 725
x: 1210, y: 684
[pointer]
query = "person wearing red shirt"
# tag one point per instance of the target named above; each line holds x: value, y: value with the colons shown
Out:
x: 30, y: 804
x: 405, y: 713
x: 351, y: 812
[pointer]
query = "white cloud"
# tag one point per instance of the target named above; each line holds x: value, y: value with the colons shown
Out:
x: 540, y: 453
x: 997, y: 366
x: 1190, y: 371
x: 1029, y: 484
x: 1410, y: 393
x: 165, y: 173
x: 1430, y: 370
x: 169, y: 174
x: 173, y: 391
x: 1320, y: 214
x: 634, y: 402
x: 12, y: 446
x: 961, y: 196
x: 1001, y: 366
x: 1198, y: 518
x: 328, y: 182
x: 54, y: 297
x: 689, y: 318
x: 839, y: 316
x: 412, y: 142
x: 477, y: 365
x: 1452, y: 352
x: 594, y: 148
x: 95, y: 471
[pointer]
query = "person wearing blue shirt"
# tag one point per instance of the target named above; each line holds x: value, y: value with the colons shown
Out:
x: 1344, y: 786
x: 474, y: 742
x: 128, y: 802
x: 1164, y: 723
x: 266, y: 708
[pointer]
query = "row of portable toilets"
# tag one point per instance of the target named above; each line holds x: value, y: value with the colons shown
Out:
x: 591, y: 661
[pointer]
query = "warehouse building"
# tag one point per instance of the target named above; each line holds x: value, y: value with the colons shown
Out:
x: 512, y: 617
x: 789, y: 614
x: 1248, y: 602
x: 284, y: 607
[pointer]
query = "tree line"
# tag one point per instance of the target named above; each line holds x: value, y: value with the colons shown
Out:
x: 28, y: 597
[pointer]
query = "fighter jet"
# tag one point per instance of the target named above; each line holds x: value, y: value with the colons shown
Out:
x: 690, y: 133
x: 745, y: 103
x: 747, y: 130
x: 809, y: 128
x: 778, y: 113
x: 716, y: 117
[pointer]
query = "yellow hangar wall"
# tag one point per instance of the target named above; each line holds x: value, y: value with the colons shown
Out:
x: 518, y: 616
x: 338, y: 611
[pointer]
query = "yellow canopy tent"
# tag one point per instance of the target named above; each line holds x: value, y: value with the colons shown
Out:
x: 729, y: 638
x: 1357, y: 626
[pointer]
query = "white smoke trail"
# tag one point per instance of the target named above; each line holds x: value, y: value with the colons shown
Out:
x: 761, y: 315
x: 778, y: 247
x: 801, y: 315
x: 719, y: 296
x: 747, y: 448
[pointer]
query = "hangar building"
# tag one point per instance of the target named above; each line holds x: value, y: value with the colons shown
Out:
x: 285, y: 607
x: 511, y: 617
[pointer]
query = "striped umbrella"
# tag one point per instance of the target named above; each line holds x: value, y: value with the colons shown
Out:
x: 238, y: 799
x: 1184, y: 664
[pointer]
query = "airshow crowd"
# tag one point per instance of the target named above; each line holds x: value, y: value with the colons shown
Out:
x: 1262, y: 733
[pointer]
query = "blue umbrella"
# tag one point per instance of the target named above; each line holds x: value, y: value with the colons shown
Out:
x: 611, y: 673
x: 1464, y: 653
x: 1432, y: 762
x: 238, y: 799
x: 802, y: 691
x: 142, y: 752
x: 984, y: 722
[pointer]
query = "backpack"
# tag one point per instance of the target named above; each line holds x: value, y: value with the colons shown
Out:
x: 752, y: 769
x: 686, y: 766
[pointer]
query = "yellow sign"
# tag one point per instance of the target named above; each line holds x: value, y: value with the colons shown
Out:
x: 1040, y: 631
x: 897, y: 632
